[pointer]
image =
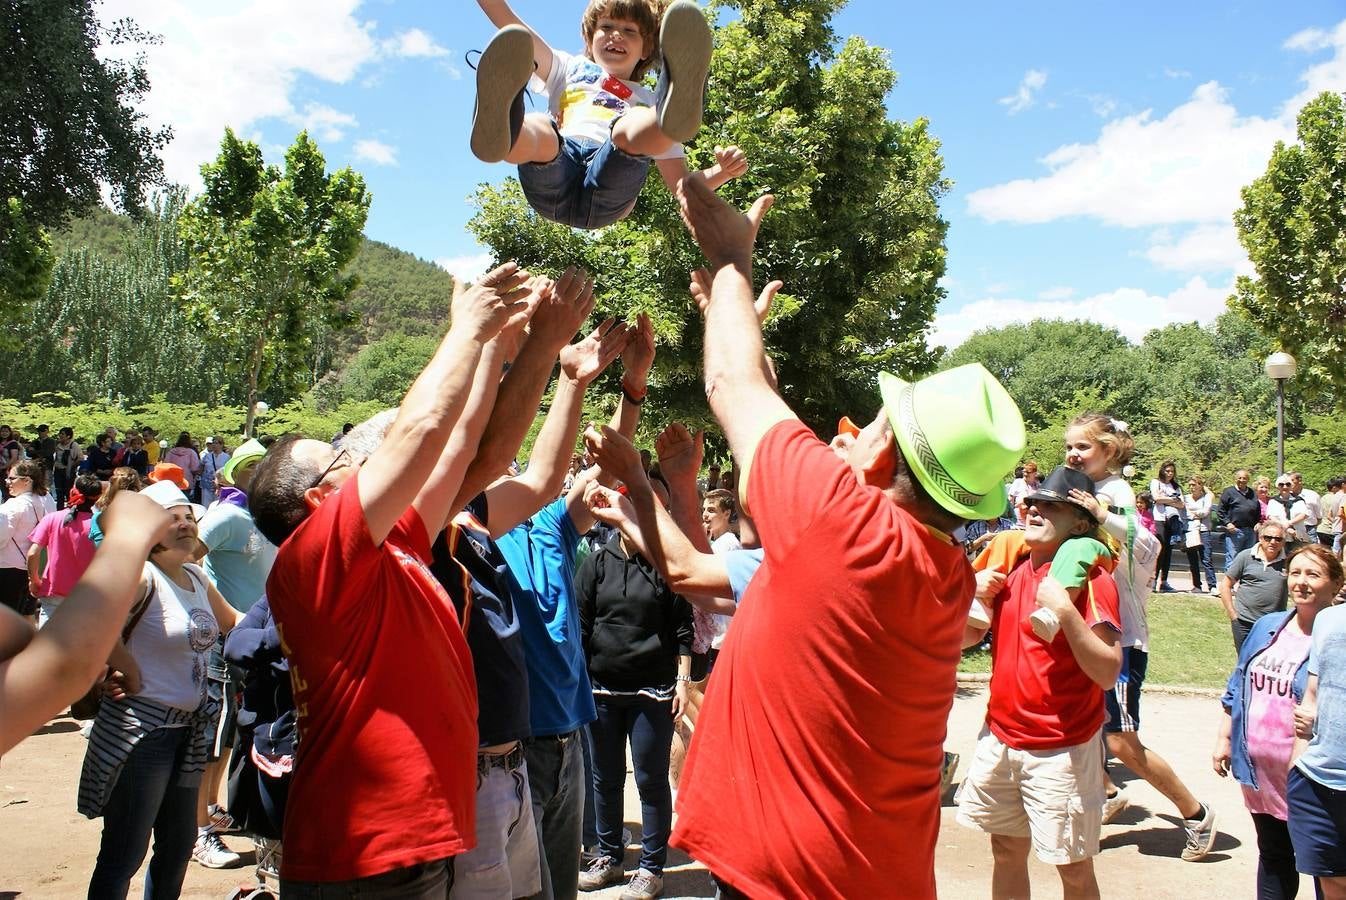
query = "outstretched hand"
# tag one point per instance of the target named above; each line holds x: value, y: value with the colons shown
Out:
x: 610, y: 507
x: 725, y: 235
x: 700, y: 288
x: 614, y: 454
x: 638, y: 357
x: 584, y: 360
x: 485, y: 307
x: 571, y: 301
x: 679, y: 452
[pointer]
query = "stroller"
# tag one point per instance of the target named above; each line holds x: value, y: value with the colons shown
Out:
x: 262, y: 763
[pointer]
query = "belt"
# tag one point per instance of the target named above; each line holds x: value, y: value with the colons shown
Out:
x: 561, y: 739
x: 507, y: 761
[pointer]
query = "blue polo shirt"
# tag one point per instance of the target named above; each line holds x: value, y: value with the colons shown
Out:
x: 540, y: 565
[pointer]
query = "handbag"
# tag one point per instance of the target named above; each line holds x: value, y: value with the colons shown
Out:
x: 1194, y: 535
x: 87, y: 706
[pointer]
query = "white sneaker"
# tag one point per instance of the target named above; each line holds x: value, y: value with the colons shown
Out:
x: 211, y: 852
x: 645, y: 885
x: 1201, y: 834
x: 1113, y: 805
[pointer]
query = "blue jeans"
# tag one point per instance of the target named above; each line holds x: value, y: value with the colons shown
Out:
x: 149, y: 797
x: 556, y: 781
x: 587, y: 185
x: 1236, y: 542
x: 1207, y: 555
x: 648, y: 724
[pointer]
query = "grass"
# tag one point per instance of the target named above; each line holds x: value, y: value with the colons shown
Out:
x: 1190, y: 643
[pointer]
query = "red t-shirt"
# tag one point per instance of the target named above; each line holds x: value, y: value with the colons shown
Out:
x: 1040, y: 697
x: 386, y: 774
x: 815, y: 769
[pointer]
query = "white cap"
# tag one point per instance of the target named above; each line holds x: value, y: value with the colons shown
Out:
x: 170, y: 496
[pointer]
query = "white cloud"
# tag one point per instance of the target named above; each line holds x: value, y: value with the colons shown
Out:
x: 1023, y: 98
x: 1185, y: 167
x: 237, y: 64
x: 1102, y: 105
x: 1325, y: 76
x: 1176, y: 73
x: 413, y: 43
x: 1204, y: 248
x: 1131, y: 311
x: 323, y: 122
x: 376, y: 152
x: 466, y: 268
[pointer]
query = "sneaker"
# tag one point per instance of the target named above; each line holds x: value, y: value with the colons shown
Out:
x: 947, y: 770
x: 1215, y: 592
x: 220, y: 820
x: 502, y: 74
x: 1200, y: 834
x: 685, y: 42
x: 645, y: 885
x: 602, y: 872
x: 1166, y: 588
x: 211, y: 852
x: 1113, y: 805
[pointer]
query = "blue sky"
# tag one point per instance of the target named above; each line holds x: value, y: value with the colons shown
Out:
x: 1096, y: 154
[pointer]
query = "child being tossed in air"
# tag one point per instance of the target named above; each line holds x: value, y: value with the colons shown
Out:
x: 584, y: 163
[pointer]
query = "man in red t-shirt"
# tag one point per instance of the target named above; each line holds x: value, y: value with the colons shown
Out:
x: 815, y: 770
x: 384, y: 784
x: 1036, y: 780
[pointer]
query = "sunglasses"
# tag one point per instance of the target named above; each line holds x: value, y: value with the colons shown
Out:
x: 343, y: 454
x: 1270, y: 537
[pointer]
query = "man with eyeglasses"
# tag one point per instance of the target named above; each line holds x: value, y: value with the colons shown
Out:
x: 383, y: 790
x: 1258, y: 573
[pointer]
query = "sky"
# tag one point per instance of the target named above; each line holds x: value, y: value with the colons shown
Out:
x: 1096, y: 152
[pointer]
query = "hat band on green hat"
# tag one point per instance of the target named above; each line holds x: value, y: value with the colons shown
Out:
x: 934, y: 469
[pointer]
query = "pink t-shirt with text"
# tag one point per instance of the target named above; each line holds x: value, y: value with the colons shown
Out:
x: 1270, y: 726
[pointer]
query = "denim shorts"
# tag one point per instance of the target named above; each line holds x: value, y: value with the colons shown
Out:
x: 1316, y: 821
x: 587, y: 185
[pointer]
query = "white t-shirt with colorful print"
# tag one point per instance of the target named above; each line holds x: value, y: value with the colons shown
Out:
x: 584, y: 100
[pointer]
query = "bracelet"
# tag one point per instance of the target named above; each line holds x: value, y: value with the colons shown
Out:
x: 683, y: 677
x: 631, y: 398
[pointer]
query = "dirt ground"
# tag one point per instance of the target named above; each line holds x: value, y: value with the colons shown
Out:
x: 48, y: 850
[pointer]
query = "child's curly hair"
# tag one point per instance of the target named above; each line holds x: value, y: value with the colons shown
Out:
x: 645, y: 13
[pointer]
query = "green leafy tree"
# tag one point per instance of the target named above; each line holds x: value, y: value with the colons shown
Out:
x: 855, y: 234
x: 106, y: 327
x: 26, y: 261
x: 71, y: 117
x: 268, y: 248
x: 1293, y: 225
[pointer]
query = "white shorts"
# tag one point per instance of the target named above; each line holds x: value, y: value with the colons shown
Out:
x: 1054, y: 797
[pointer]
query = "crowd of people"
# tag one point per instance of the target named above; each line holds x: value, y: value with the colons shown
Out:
x: 421, y: 664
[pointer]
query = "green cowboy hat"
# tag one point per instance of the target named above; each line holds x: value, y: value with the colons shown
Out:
x: 249, y: 452
x: 960, y: 432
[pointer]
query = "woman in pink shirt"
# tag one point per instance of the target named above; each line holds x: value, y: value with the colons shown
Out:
x: 65, y: 536
x: 1257, y: 733
x: 184, y: 455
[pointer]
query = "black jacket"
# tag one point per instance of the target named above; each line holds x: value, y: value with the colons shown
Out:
x: 633, y: 626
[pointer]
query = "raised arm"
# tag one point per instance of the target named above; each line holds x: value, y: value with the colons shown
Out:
x: 730, y: 163
x: 557, y: 317
x: 500, y: 14
x: 515, y: 499
x: 738, y: 382
x: 60, y: 662
x: 397, y: 472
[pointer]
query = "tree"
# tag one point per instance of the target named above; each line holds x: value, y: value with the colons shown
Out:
x: 1292, y: 224
x: 106, y: 328
x: 855, y: 234
x: 268, y: 247
x: 71, y: 123
x: 25, y: 266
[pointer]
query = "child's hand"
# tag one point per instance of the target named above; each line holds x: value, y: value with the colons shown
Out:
x: 732, y: 161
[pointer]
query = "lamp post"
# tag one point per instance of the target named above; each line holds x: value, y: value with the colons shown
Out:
x: 1279, y: 367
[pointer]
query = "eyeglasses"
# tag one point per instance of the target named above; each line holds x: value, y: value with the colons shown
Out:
x: 332, y: 465
x: 1272, y: 537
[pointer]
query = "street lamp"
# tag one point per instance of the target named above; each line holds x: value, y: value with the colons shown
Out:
x: 1280, y: 366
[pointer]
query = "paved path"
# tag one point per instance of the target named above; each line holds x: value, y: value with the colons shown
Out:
x: 48, y: 849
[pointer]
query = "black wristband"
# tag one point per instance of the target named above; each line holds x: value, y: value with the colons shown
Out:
x: 634, y: 401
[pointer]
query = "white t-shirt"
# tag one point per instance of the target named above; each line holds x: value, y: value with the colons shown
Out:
x: 723, y: 544
x: 1314, y: 501
x: 584, y: 100
x: 171, y: 642
x: 1276, y: 512
x: 1134, y: 574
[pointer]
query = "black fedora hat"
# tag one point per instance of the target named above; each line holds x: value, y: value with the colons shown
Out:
x: 1057, y: 486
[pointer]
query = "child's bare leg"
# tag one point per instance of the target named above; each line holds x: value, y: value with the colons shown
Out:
x: 638, y: 134
x: 536, y: 143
